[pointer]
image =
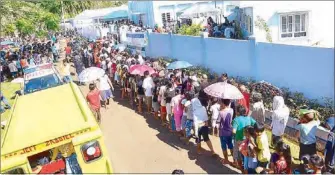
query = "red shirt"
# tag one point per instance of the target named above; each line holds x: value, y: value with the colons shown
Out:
x: 68, y: 50
x: 245, y: 102
x: 93, y: 97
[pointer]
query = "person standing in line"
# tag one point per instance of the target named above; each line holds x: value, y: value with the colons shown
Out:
x: 258, y: 110
x: 148, y: 86
x: 177, y: 110
x: 262, y: 149
x: 155, y: 103
x: 105, y: 88
x: 162, y: 91
x: 214, y: 109
x: 279, y: 118
x: 224, y: 120
x: 13, y: 69
x: 200, y: 120
x: 307, y: 128
x: 169, y: 94
x: 93, y: 98
x: 245, y: 101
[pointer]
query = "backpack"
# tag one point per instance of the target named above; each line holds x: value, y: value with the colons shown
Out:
x: 330, y: 151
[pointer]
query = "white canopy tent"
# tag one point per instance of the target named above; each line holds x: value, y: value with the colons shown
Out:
x: 88, y: 17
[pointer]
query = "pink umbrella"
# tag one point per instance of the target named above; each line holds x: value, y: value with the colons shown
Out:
x: 140, y: 69
x: 223, y: 90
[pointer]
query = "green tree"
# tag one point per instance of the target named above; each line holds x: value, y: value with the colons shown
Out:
x: 25, y: 27
x: 9, y: 29
x: 261, y: 24
x: 193, y: 30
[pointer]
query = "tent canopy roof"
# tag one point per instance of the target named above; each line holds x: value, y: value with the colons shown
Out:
x: 98, y: 13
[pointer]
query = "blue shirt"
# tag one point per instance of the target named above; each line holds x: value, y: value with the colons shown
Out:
x: 308, y: 132
x: 239, y: 123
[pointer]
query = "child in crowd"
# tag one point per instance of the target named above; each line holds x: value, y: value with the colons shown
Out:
x: 263, y: 150
x: 250, y: 155
x: 224, y: 120
x: 93, y: 98
x: 239, y: 124
x: 281, y: 160
x: 316, y: 163
x: 169, y: 94
x: 214, y: 109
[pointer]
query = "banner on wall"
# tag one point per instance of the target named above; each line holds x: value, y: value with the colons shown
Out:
x: 136, y: 50
x: 136, y: 39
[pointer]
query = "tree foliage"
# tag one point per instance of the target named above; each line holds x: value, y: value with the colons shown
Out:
x: 193, y: 30
x: 261, y: 24
x: 37, y: 17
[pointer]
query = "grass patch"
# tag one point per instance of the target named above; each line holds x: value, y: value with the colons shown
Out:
x: 8, y: 89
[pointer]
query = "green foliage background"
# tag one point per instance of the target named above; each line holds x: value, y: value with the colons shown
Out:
x: 38, y: 17
x: 193, y: 30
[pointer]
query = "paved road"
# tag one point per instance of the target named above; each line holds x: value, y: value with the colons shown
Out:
x: 138, y: 144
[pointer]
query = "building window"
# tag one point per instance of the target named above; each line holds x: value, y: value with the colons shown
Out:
x: 293, y: 25
x: 166, y: 17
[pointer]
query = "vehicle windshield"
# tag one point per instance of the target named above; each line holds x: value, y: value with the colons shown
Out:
x: 41, y: 83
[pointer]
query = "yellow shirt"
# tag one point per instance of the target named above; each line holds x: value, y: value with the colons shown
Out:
x: 262, y: 142
x: 66, y: 150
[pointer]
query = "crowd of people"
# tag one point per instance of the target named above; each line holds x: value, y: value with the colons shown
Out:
x: 176, y: 98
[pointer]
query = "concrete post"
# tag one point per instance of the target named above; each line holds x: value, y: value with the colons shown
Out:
x: 149, y: 45
x: 172, y: 53
x: 253, y: 57
x: 204, y: 36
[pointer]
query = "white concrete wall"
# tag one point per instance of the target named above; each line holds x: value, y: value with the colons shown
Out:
x: 320, y: 20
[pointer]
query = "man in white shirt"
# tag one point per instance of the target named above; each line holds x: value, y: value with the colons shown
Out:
x: 161, y: 93
x: 200, y: 120
x: 13, y: 69
x: 148, y: 85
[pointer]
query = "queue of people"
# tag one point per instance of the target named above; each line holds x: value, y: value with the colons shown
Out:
x: 177, y: 100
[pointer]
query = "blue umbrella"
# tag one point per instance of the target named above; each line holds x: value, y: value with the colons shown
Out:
x: 179, y: 65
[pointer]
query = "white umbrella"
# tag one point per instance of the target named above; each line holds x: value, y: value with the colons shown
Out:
x: 223, y: 90
x: 18, y: 80
x: 91, y: 74
x: 197, y: 10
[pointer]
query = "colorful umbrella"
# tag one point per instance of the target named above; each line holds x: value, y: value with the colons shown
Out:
x: 223, y: 90
x: 179, y: 65
x: 140, y: 69
x: 91, y: 74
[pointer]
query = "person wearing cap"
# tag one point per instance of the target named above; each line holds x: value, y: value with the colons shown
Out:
x: 307, y: 128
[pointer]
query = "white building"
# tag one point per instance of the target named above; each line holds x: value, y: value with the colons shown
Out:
x: 308, y: 23
x: 154, y: 13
